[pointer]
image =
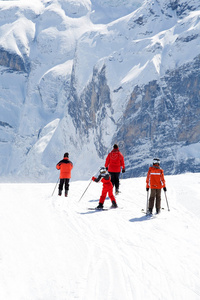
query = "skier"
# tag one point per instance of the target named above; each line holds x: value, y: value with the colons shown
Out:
x: 65, y: 166
x: 107, y: 188
x: 114, y: 163
x: 155, y: 181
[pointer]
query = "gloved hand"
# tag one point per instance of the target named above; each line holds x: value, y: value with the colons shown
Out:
x: 123, y: 170
x: 147, y: 189
x: 165, y: 189
x: 93, y: 178
x: 107, y: 169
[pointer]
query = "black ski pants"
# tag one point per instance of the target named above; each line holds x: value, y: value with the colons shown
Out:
x: 64, y: 181
x: 115, y: 179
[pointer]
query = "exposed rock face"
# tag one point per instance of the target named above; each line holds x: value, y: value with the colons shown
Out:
x: 89, y: 111
x: 12, y: 61
x: 84, y: 109
x: 163, y: 116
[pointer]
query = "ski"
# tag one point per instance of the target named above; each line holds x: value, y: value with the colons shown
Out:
x: 149, y: 216
x: 152, y: 216
x: 97, y: 209
x: 144, y: 211
x: 107, y: 208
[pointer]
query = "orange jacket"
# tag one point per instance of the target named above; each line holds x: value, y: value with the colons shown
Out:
x: 155, y: 178
x: 65, y: 166
x: 115, y: 161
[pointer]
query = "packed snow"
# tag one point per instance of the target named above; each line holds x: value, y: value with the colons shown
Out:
x: 54, y: 248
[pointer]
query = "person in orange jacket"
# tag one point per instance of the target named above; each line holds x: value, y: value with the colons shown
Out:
x: 65, y: 166
x: 114, y: 163
x: 104, y: 177
x: 155, y: 181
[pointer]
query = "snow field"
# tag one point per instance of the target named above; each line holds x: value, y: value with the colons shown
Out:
x: 55, y: 248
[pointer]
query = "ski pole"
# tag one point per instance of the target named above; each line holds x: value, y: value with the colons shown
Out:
x: 147, y: 201
x: 87, y: 188
x: 55, y: 186
x: 85, y: 191
x: 166, y: 200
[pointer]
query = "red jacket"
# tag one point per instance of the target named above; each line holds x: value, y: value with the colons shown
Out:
x: 155, y: 178
x: 65, y: 166
x: 115, y: 161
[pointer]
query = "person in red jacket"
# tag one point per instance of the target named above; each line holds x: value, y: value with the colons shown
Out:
x: 107, y: 188
x: 114, y: 163
x: 155, y: 181
x: 65, y: 166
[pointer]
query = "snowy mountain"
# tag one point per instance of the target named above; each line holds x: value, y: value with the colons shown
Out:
x: 53, y: 248
x: 78, y: 76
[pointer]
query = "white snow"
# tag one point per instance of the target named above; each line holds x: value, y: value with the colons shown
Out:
x: 46, y: 136
x: 192, y: 151
x: 53, y: 248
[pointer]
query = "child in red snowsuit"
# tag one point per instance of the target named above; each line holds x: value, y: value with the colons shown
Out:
x: 107, y: 188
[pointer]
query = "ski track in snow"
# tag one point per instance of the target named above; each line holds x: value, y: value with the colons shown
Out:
x: 55, y: 248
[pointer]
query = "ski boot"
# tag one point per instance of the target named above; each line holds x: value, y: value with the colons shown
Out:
x: 116, y: 191
x: 59, y: 192
x: 114, y: 204
x: 100, y: 206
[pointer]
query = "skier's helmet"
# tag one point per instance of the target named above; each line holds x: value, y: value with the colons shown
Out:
x: 102, y: 170
x: 156, y: 161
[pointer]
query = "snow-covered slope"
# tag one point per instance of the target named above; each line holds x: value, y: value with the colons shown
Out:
x: 78, y: 76
x: 53, y: 248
